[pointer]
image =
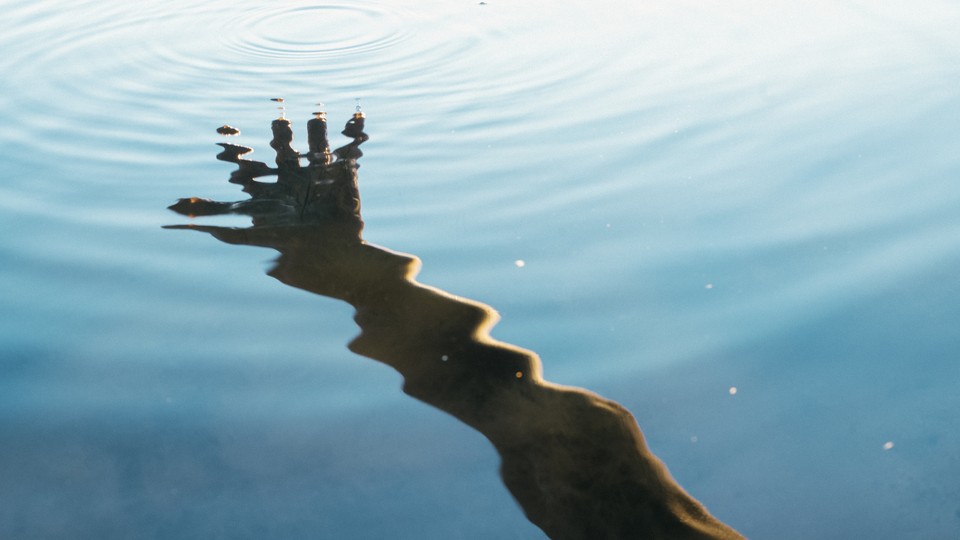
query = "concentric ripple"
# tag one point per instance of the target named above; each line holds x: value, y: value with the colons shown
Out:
x: 313, y: 31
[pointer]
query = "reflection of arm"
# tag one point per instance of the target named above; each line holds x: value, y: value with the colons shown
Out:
x: 577, y: 463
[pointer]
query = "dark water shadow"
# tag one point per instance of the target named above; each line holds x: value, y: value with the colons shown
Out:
x: 576, y: 463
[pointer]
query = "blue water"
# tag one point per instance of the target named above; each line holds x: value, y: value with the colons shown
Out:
x: 739, y: 221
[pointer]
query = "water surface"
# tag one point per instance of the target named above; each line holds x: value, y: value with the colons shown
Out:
x: 760, y: 197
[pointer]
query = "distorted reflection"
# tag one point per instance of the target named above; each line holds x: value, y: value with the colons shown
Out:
x: 576, y: 463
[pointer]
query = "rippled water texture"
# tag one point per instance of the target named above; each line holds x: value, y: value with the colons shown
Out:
x: 739, y: 221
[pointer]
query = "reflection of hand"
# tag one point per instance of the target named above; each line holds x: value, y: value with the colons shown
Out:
x: 323, y: 190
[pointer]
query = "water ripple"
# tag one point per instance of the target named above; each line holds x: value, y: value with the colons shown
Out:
x: 313, y: 31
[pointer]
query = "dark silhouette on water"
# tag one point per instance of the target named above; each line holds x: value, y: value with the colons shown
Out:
x: 577, y: 463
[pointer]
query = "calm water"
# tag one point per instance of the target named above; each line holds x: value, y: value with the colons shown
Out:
x: 740, y: 221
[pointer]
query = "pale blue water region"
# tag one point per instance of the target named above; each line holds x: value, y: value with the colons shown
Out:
x: 739, y: 221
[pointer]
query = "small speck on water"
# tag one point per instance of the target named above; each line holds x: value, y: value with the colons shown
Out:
x: 733, y: 390
x: 708, y: 286
x: 888, y: 445
x: 519, y: 263
x: 444, y: 358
